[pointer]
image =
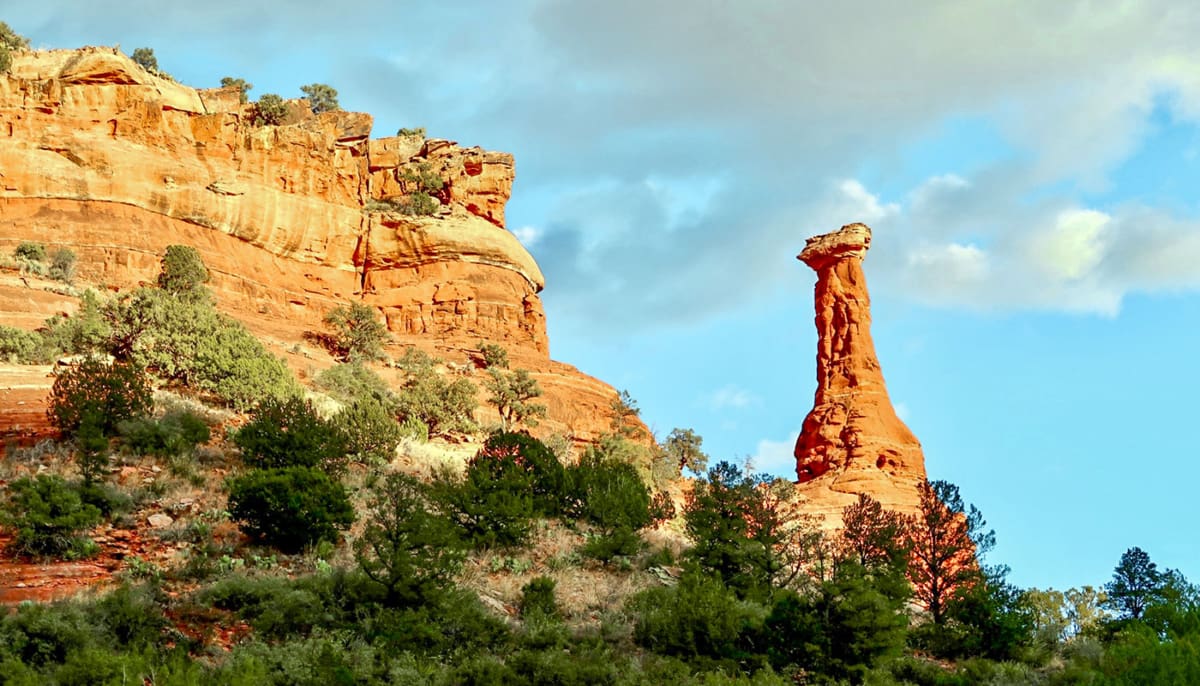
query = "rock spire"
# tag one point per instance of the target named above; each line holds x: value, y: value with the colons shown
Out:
x: 852, y: 441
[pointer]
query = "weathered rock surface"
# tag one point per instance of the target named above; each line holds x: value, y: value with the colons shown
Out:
x: 102, y: 157
x: 852, y: 441
x: 98, y: 155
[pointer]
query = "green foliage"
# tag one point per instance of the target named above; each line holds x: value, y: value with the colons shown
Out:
x: 510, y: 392
x: 352, y: 382
x: 408, y: 546
x: 17, y: 345
x: 85, y: 332
x: 92, y: 453
x: 512, y: 478
x: 418, y: 131
x: 27, y: 250
x: 421, y: 186
x: 290, y: 433
x: 290, y: 508
x: 186, y: 341
x: 698, y: 618
x: 370, y: 431
x: 874, y: 537
x: 493, y: 355
x: 426, y: 396
x: 742, y: 525
x: 611, y: 495
x: 1136, y: 584
x: 625, y: 416
x: 11, y: 39
x: 537, y: 598
x: 46, y: 515
x: 183, y: 273
x: 270, y: 110
x: 683, y: 448
x: 242, y: 85
x: 173, y: 434
x: 62, y: 265
x: 321, y: 97
x: 989, y: 618
x: 109, y: 393
x: 945, y: 539
x: 842, y: 630
x: 144, y: 57
x: 358, y: 335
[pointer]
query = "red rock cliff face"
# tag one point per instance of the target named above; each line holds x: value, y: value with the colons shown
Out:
x: 852, y: 441
x: 100, y: 156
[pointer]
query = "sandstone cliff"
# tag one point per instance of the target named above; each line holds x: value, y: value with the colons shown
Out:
x: 852, y: 441
x: 103, y: 157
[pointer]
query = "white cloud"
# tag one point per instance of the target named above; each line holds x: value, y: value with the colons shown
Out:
x: 528, y: 235
x: 1073, y: 247
x: 775, y: 457
x: 730, y: 397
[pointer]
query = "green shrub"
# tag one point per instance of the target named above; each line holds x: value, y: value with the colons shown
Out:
x: 290, y: 508
x: 352, y: 382
x: 537, y: 598
x: 493, y: 355
x: 183, y: 273
x: 511, y: 392
x: 369, y: 430
x: 547, y: 478
x: 175, y: 433
x: 418, y: 131
x: 27, y: 250
x: 47, y: 515
x: 289, y: 433
x: 409, y: 547
x: 698, y: 618
x: 357, y: 332
x: 609, y: 494
x: 270, y: 110
x: 109, y: 393
x: 129, y: 616
x: 442, y: 406
x: 144, y: 57
x: 420, y: 185
x: 240, y: 84
x: 85, y: 332
x: 417, y: 204
x: 321, y: 97
x: 41, y: 634
x: 62, y: 265
x: 19, y: 346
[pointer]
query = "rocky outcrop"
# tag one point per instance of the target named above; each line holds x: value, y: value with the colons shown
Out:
x: 101, y: 156
x: 852, y: 441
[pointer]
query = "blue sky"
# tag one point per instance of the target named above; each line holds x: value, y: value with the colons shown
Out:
x: 1029, y: 169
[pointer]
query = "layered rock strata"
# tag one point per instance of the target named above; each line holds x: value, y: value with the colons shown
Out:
x: 102, y: 157
x: 852, y: 441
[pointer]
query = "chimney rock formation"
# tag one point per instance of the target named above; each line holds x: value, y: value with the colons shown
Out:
x: 852, y: 441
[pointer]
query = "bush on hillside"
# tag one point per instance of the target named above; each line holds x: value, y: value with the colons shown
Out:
x: 47, y: 515
x: 369, y: 430
x: 408, y: 546
x: 28, y: 250
x: 173, y: 434
x: 352, y: 382
x: 109, y: 393
x: 241, y: 84
x: 442, y: 406
x: 84, y: 332
x: 358, y: 335
x: 62, y: 265
x: 290, y: 508
x: 290, y: 433
x: 182, y: 272
x: 21, y: 347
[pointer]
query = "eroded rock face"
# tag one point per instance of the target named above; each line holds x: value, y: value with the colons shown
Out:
x: 100, y: 156
x: 852, y: 441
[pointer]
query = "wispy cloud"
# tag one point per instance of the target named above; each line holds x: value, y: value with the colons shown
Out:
x: 730, y: 397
